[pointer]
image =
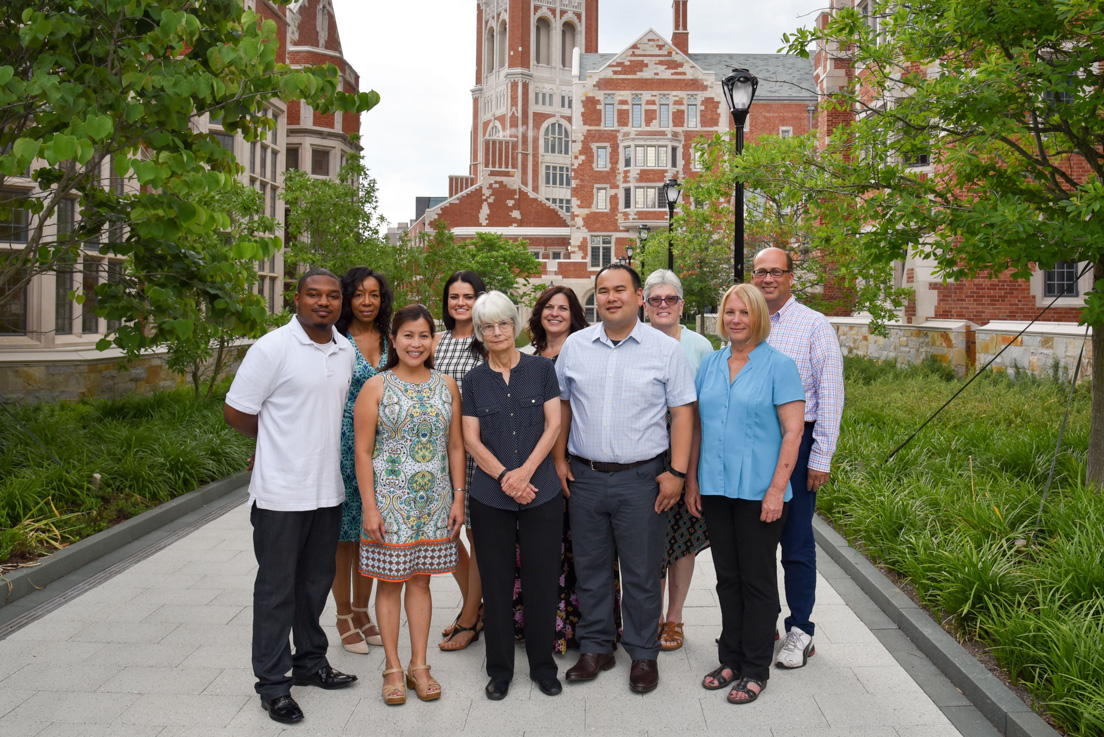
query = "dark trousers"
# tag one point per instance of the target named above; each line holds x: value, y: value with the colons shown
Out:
x: 798, y: 544
x: 614, y: 514
x: 747, y: 581
x: 539, y: 533
x: 295, y: 570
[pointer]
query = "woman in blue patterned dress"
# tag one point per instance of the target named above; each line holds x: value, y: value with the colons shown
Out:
x: 410, y: 464
x: 365, y: 320
x: 455, y: 353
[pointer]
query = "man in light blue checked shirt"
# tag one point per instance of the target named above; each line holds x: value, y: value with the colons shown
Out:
x: 807, y: 337
x: 617, y: 381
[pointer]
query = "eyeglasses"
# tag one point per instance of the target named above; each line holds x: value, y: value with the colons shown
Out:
x: 657, y: 301
x: 773, y: 273
x: 490, y: 327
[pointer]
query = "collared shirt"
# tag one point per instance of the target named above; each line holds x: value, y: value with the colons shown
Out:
x: 741, y: 434
x: 297, y: 388
x: 511, y: 422
x: 620, y: 393
x: 807, y: 337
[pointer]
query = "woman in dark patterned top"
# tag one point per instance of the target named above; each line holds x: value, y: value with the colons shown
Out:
x: 365, y: 320
x: 456, y: 352
x: 511, y: 407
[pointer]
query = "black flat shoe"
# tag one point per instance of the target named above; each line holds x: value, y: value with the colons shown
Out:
x: 327, y: 678
x: 283, y: 709
x: 497, y: 688
x: 550, y: 686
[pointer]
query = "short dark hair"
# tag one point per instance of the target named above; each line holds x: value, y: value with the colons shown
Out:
x: 410, y: 313
x: 632, y: 273
x: 316, y: 271
x: 468, y: 277
x: 537, y: 334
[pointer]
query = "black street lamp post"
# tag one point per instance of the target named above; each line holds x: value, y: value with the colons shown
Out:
x: 739, y: 91
x: 672, y: 190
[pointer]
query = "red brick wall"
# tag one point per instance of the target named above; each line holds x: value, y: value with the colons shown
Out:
x: 983, y: 300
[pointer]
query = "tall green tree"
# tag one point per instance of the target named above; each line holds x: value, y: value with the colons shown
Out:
x: 198, y: 298
x: 97, y: 92
x: 1003, y: 97
x: 791, y: 202
x: 335, y: 223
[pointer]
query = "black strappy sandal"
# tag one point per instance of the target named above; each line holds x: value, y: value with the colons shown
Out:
x: 742, y: 687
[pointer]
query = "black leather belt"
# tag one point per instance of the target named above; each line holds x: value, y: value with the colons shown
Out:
x: 602, y: 467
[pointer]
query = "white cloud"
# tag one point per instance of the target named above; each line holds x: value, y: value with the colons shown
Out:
x: 420, y: 56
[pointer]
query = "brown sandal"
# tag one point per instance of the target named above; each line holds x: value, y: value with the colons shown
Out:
x: 671, y: 636
x: 422, y: 689
x: 397, y: 691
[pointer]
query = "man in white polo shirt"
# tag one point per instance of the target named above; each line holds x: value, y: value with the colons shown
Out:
x: 289, y: 394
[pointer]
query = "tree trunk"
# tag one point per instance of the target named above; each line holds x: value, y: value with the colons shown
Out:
x: 1096, y: 417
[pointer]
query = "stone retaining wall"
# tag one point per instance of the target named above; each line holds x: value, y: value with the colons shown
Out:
x: 1045, y: 349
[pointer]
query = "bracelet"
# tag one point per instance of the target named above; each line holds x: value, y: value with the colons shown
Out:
x: 676, y: 474
x: 461, y: 489
x: 501, y: 476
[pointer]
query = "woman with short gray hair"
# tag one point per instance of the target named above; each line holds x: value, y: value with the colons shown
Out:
x: 511, y: 408
x: 686, y: 534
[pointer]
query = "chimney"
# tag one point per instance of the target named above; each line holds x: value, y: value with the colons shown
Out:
x: 680, y: 38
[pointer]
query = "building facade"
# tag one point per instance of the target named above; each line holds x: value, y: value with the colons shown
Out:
x: 570, y: 147
x: 48, y: 338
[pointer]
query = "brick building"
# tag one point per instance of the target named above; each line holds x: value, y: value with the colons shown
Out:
x: 47, y: 338
x: 570, y: 146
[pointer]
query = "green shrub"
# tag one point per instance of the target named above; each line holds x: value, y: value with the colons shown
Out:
x: 955, y: 514
x: 146, y: 450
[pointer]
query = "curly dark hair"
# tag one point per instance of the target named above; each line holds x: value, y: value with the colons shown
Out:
x: 410, y: 313
x: 350, y: 283
x: 537, y: 334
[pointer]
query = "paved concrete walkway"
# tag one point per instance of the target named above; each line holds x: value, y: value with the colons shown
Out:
x: 163, y: 649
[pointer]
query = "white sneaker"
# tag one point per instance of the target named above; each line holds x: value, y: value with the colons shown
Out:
x: 797, y: 648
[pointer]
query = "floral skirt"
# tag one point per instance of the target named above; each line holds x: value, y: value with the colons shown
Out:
x: 686, y: 535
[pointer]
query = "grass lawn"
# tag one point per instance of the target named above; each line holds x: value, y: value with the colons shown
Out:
x: 955, y: 514
x: 145, y: 450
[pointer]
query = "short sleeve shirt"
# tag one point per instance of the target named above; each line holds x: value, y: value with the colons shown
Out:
x: 697, y: 347
x: 620, y: 393
x: 741, y: 434
x: 297, y: 388
x: 511, y: 422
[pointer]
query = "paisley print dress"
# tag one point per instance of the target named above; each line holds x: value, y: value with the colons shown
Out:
x: 413, y: 488
x: 351, y: 511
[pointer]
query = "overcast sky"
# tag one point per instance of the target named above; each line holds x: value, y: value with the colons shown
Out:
x: 420, y: 56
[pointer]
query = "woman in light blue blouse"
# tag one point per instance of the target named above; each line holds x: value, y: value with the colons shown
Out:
x: 752, y: 408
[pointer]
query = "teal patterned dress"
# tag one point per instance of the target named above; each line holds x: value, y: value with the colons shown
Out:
x: 413, y: 487
x: 351, y: 511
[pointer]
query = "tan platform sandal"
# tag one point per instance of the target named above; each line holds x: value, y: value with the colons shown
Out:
x: 394, y: 694
x: 358, y: 645
x: 422, y: 688
x: 374, y: 639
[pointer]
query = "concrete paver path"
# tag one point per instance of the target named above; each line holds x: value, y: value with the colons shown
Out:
x: 164, y: 649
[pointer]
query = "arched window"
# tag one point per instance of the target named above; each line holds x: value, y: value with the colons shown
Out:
x: 543, y: 42
x: 503, y: 61
x: 567, y: 44
x: 556, y: 140
x: 494, y: 131
x: 489, y: 52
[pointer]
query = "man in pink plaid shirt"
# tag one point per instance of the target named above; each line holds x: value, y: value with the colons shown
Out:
x: 805, y: 336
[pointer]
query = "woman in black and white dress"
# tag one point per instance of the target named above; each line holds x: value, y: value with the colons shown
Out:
x: 455, y: 353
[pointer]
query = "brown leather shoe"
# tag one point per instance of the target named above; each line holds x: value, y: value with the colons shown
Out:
x: 589, y: 665
x: 644, y: 676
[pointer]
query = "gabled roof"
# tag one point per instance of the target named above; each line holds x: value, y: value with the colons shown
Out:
x: 781, y: 76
